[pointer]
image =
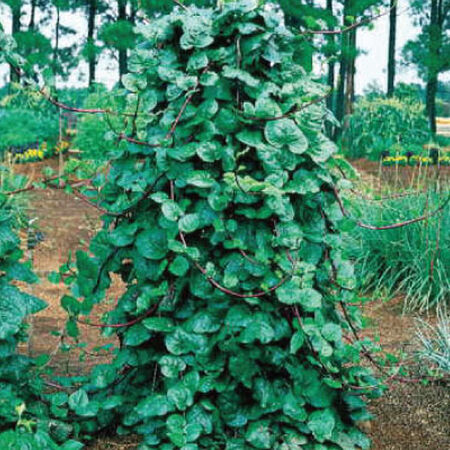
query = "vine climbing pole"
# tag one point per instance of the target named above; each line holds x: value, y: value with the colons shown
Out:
x: 221, y: 218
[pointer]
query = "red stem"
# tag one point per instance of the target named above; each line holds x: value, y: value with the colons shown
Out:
x: 391, y: 226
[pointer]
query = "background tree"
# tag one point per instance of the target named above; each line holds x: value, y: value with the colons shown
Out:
x: 15, y: 7
x: 392, y: 47
x: 118, y: 34
x: 430, y: 51
x: 353, y: 11
x: 90, y: 51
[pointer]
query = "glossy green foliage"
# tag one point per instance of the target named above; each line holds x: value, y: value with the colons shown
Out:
x: 223, y: 226
x: 225, y: 232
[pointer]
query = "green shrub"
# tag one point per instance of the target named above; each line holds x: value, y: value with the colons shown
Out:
x: 380, y: 124
x: 93, y: 136
x: 19, y: 127
x: 413, y: 260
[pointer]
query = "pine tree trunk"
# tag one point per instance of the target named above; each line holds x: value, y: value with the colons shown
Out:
x: 16, y: 11
x: 123, y: 54
x: 435, y: 42
x: 91, y: 40
x: 351, y: 71
x: 31, y: 24
x: 331, y: 64
x: 392, y: 45
x: 432, y: 85
x: 343, y: 69
x: 56, y: 47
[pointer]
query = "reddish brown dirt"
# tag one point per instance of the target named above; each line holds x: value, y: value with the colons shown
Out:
x: 67, y: 225
x: 408, y: 417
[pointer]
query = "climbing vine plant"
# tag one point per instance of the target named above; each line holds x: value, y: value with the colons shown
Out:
x: 221, y: 219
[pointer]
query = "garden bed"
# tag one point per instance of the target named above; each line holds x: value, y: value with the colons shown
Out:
x: 409, y: 416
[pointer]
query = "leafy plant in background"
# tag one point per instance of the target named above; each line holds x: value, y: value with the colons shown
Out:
x: 221, y: 220
x: 378, y: 124
x: 21, y: 127
x: 93, y: 130
x: 413, y: 261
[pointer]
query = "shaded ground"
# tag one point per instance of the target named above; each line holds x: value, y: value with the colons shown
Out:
x: 408, y: 417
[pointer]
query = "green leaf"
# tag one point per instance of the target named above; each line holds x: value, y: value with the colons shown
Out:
x: 322, y: 152
x: 241, y: 75
x: 136, y: 335
x: 201, y: 179
x: 181, y: 342
x: 14, y: 307
x: 197, y: 27
x: 152, y: 244
x: 179, y: 266
x: 159, y: 324
x: 322, y: 423
x: 71, y: 305
x: 266, y: 108
x: 291, y: 294
x: 203, y: 322
x: 198, y: 61
x: 171, y: 366
x: 171, y: 210
x: 180, y: 396
x: 297, y: 341
x: 310, y: 298
x: 180, y: 432
x: 293, y: 407
x: 304, y: 182
x: 153, y: 406
x: 79, y: 399
x: 123, y: 234
x: 189, y: 223
x: 260, y: 435
x: 285, y: 132
x: 72, y: 445
x: 332, y: 332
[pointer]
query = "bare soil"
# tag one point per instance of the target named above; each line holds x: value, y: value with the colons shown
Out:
x: 408, y: 417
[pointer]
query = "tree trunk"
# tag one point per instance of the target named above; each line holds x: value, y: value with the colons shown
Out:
x: 331, y: 64
x: 392, y: 45
x: 91, y: 41
x: 57, y: 28
x: 133, y: 13
x: 123, y: 54
x: 435, y: 42
x: 343, y: 69
x: 31, y: 24
x: 351, y: 70
x: 16, y: 11
x: 432, y: 85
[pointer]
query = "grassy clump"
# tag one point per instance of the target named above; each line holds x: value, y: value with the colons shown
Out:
x: 435, y: 342
x: 412, y: 260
